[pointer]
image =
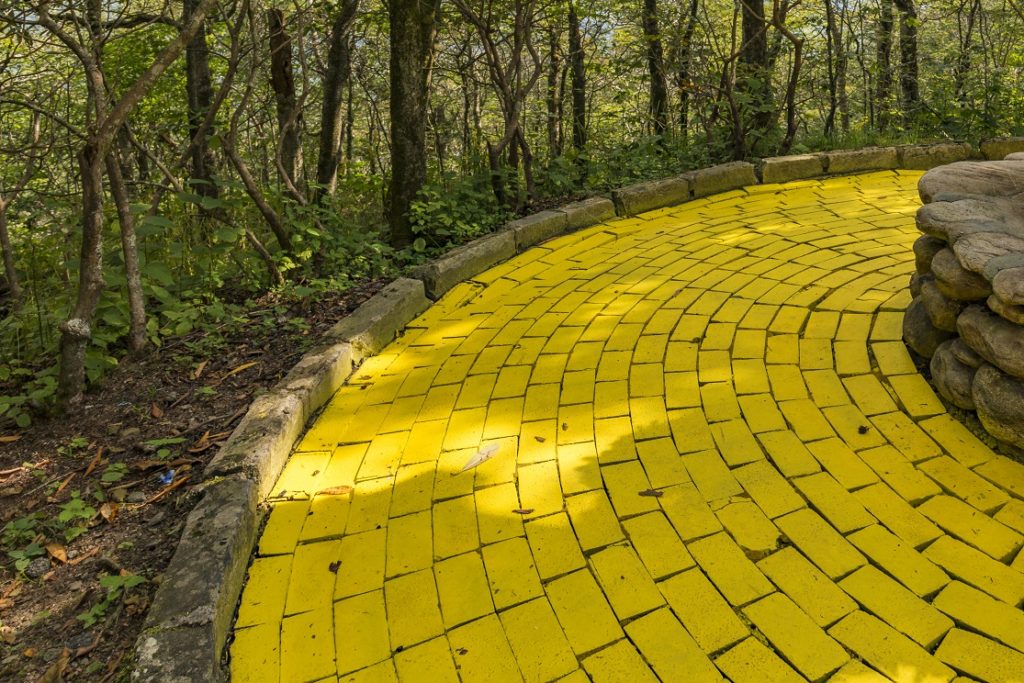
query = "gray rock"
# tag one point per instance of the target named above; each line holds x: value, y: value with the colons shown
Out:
x: 1011, y: 312
x: 942, y: 311
x: 1008, y: 285
x: 951, y: 220
x: 721, y: 178
x: 859, y: 160
x: 999, y: 148
x: 998, y: 341
x: 925, y: 249
x: 178, y: 655
x: 587, y: 212
x: 917, y: 281
x: 974, y: 251
x: 951, y: 377
x: 918, y: 331
x: 924, y: 157
x: 999, y: 400
x: 794, y: 167
x: 655, y: 194
x: 37, y: 568
x: 965, y: 354
x: 530, y: 230
x: 1000, y: 263
x: 378, y: 320
x: 1016, y: 156
x: 462, y: 263
x: 955, y: 281
x: 972, y: 179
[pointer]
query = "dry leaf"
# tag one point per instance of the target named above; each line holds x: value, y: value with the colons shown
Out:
x: 523, y: 511
x: 333, y: 566
x: 482, y: 456
x: 202, y: 444
x: 198, y: 372
x: 156, y: 411
x: 240, y: 368
x: 9, y: 439
x: 109, y: 511
x: 540, y: 439
x: 94, y: 462
x: 335, y: 491
x: 57, y: 552
x: 30, y: 652
x: 652, y: 493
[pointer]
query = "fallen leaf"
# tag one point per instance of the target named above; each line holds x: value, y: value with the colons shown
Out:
x: 540, y: 439
x: 565, y: 426
x: 335, y: 491
x: 863, y: 429
x: 94, y: 462
x: 652, y: 493
x: 55, y: 672
x: 523, y: 511
x: 156, y: 411
x: 30, y: 652
x: 57, y: 552
x: 240, y: 368
x: 333, y: 566
x: 482, y: 456
x: 9, y: 439
x: 198, y: 372
x: 202, y: 444
x: 109, y: 511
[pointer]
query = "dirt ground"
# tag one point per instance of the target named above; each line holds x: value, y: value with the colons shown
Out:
x: 93, y: 503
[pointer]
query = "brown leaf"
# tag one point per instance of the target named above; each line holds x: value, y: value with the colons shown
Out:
x: 652, y: 493
x: 240, y: 368
x: 523, y: 511
x: 55, y: 672
x: 202, y: 444
x: 198, y: 372
x: 565, y: 426
x: 156, y: 411
x: 10, y: 439
x: 94, y: 462
x: 30, y: 652
x: 540, y: 439
x: 334, y: 491
x: 57, y: 552
x: 333, y: 566
x: 109, y: 511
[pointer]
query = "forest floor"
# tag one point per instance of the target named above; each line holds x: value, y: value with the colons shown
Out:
x: 93, y: 500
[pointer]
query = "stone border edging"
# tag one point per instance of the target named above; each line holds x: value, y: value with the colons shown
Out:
x: 190, y: 619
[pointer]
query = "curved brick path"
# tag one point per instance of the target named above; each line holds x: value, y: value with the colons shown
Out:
x: 713, y: 457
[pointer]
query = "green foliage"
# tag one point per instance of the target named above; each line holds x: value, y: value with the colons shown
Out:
x: 448, y: 214
x: 116, y: 587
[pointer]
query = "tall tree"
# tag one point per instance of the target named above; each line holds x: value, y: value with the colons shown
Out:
x: 655, y: 68
x: 910, y: 88
x: 684, y: 75
x: 883, y: 64
x: 335, y: 85
x: 412, y: 49
x: 199, y: 91
x: 577, y: 68
x: 289, y: 112
x: 753, y: 77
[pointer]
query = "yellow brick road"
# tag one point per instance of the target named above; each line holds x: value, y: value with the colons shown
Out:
x: 711, y: 456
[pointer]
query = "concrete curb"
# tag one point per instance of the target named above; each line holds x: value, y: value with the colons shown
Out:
x: 189, y: 623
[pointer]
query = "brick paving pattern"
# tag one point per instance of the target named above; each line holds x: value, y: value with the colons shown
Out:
x: 710, y: 456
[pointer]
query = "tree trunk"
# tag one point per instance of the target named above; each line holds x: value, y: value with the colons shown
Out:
x: 412, y: 44
x: 554, y: 100
x: 655, y: 68
x: 10, y: 273
x: 579, y: 82
x: 963, y: 63
x: 334, y: 87
x: 909, y: 87
x: 685, y: 63
x: 199, y: 91
x: 130, y: 251
x: 282, y: 80
x: 884, y: 77
x: 753, y: 77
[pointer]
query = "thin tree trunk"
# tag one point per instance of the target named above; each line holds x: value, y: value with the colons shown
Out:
x: 685, y: 64
x: 14, y: 292
x: 282, y: 79
x: 909, y: 86
x: 199, y: 91
x: 411, y: 56
x: 554, y: 102
x: 753, y: 76
x: 335, y: 85
x: 579, y: 83
x: 656, y: 68
x: 883, y: 59
x: 130, y: 251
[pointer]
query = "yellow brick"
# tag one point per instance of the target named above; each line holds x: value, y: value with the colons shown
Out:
x: 690, y: 430
x: 892, y: 358
x: 686, y: 510
x: 711, y: 475
x: 703, y: 611
x: 619, y: 662
x: 735, y: 442
x: 554, y: 545
x: 284, y: 525
x: 301, y: 474
x: 973, y: 527
x: 512, y: 381
x: 770, y: 491
x: 714, y: 366
x: 662, y: 463
x: 540, y: 647
x: 583, y: 611
x: 869, y: 394
x: 906, y: 436
x: 511, y: 573
x: 539, y: 488
x: 431, y: 661
x: 681, y: 357
x: 256, y: 652
x: 916, y: 395
x: 578, y: 468
x: 834, y: 502
x: 957, y: 440
x: 725, y: 564
x: 898, y: 515
x: 807, y: 421
x: 852, y: 358
x: 494, y: 508
x: 593, y: 520
x: 307, y: 645
x: 898, y: 473
x: 980, y: 657
x: 890, y: 652
x: 310, y: 586
x: 1012, y: 515
x: 611, y: 399
x: 965, y: 484
x: 1005, y: 473
x: 537, y: 442
x: 752, y: 661
x: 796, y: 637
x: 788, y: 453
x: 410, y: 543
x: 681, y: 390
x: 761, y: 413
x: 856, y: 672
x: 614, y: 365
x: 625, y: 581
x: 783, y: 349
x: 899, y: 560
x: 826, y: 388
x: 265, y: 591
x: 787, y: 382
x: 414, y: 487
x: 361, y: 560
x: 541, y: 402
x: 575, y: 423
x: 719, y: 401
x: 462, y: 589
x: 413, y: 614
x: 811, y: 590
x: 897, y: 606
x: 759, y: 316
x: 650, y: 420
x: 982, y: 613
x: 360, y: 631
x: 647, y: 379
x: 482, y: 652
x: 752, y: 531
x: 671, y: 651
x: 749, y: 344
x: 820, y: 542
x: 853, y: 427
x: 750, y: 376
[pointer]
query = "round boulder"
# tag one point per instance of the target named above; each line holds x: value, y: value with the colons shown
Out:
x: 965, y: 354
x: 952, y: 378
x: 998, y: 341
x: 999, y: 400
x: 925, y: 249
x: 1011, y: 312
x: 955, y: 281
x: 1008, y: 285
x: 918, y: 331
x: 917, y: 281
x: 974, y: 251
x: 942, y: 310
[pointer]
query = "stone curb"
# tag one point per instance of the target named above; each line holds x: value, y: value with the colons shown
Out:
x: 190, y: 619
x: 188, y: 625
